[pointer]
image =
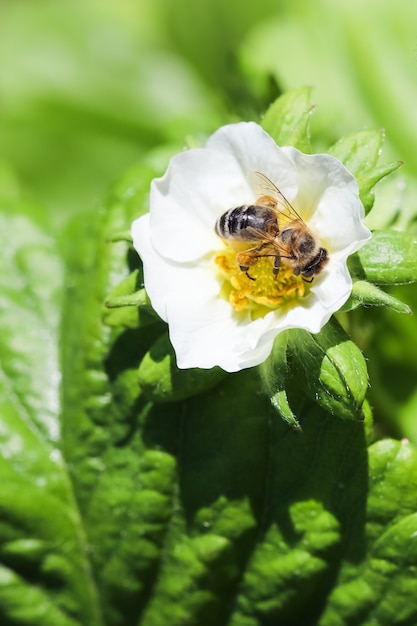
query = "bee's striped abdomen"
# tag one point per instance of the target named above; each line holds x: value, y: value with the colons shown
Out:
x: 243, y: 223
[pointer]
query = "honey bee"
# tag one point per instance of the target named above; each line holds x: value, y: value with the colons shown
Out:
x: 277, y: 231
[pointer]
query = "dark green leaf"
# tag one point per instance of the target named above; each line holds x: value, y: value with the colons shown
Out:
x: 311, y: 484
x: 381, y: 587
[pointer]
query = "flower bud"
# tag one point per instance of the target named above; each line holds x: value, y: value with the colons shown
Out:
x: 331, y: 369
x: 273, y: 373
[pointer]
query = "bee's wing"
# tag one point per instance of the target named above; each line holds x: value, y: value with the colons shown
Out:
x: 269, y: 244
x: 284, y: 207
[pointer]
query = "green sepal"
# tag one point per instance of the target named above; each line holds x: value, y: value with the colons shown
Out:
x: 367, y: 294
x: 273, y: 373
x: 389, y: 258
x: 368, y: 421
x: 128, y: 306
x: 162, y: 381
x: 138, y: 299
x: 122, y: 235
x: 330, y: 369
x: 360, y: 153
x: 367, y: 183
x: 287, y: 120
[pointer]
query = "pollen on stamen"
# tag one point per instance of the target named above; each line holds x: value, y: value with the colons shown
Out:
x: 261, y: 291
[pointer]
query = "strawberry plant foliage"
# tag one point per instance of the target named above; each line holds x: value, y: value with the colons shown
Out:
x: 124, y: 502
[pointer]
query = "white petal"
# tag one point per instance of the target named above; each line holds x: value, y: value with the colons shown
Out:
x: 186, y: 202
x: 153, y: 265
x: 256, y: 151
x: 206, y: 332
x: 328, y: 198
x: 333, y: 288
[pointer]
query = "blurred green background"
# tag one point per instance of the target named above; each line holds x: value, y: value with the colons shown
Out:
x: 88, y: 87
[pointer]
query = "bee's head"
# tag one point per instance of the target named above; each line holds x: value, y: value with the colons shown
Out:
x: 315, y: 266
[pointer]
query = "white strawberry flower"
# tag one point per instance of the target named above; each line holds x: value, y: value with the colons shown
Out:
x: 216, y: 314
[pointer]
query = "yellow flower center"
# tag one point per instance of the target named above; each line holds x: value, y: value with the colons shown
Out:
x: 261, y: 291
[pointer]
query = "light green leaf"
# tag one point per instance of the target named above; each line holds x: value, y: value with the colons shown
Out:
x: 287, y: 120
x: 30, y: 310
x: 389, y: 258
x: 368, y: 181
x: 45, y: 575
x: 360, y: 153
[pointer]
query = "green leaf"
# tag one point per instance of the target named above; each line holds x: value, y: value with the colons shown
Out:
x: 360, y: 153
x: 389, y: 258
x: 30, y: 311
x: 288, y: 119
x: 331, y: 369
x: 303, y: 534
x: 45, y: 575
x: 381, y: 587
x: 102, y: 407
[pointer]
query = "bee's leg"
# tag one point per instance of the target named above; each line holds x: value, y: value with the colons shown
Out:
x: 277, y: 263
x: 246, y: 260
x: 245, y: 268
x: 249, y: 258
